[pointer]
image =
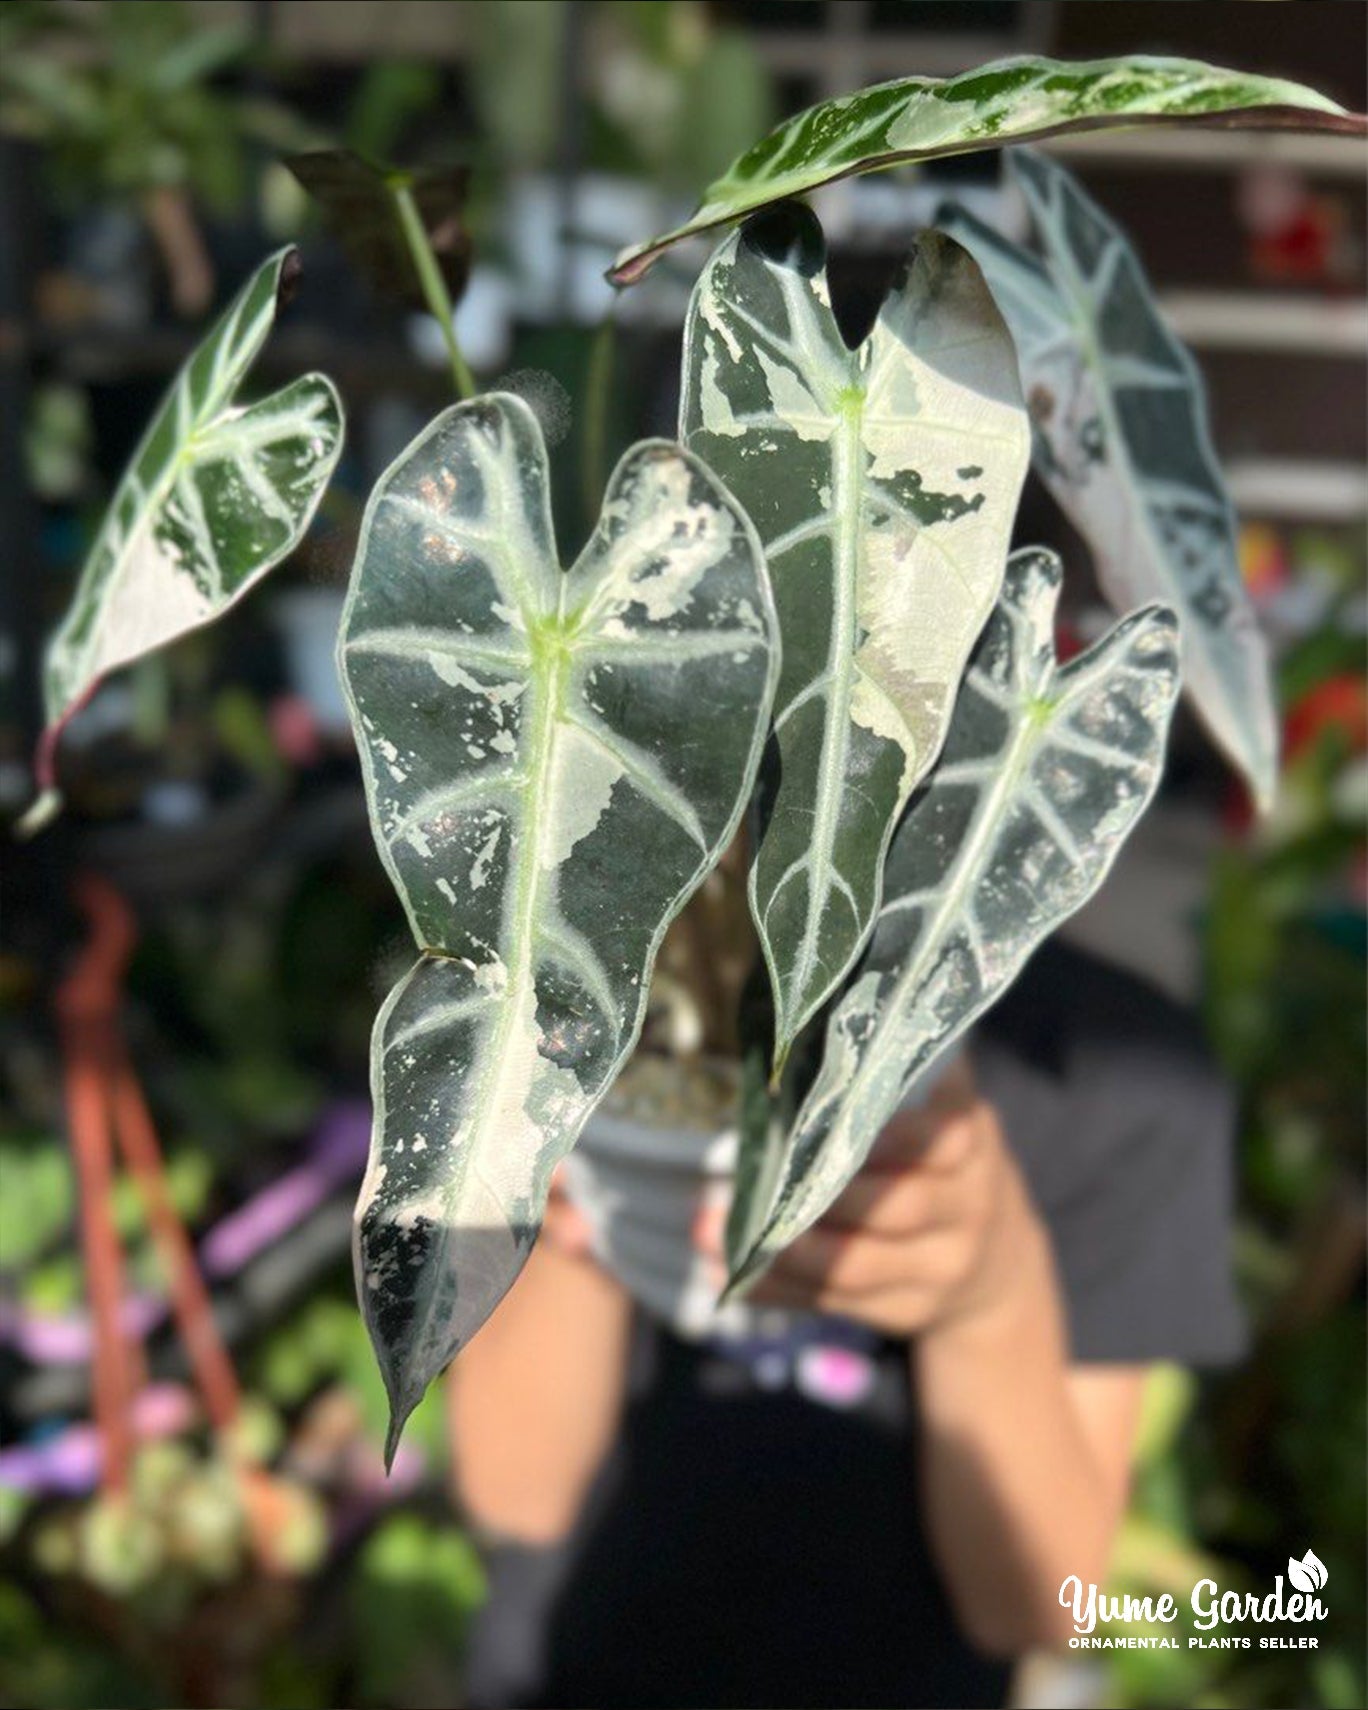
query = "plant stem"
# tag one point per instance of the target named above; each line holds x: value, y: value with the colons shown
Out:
x: 433, y: 285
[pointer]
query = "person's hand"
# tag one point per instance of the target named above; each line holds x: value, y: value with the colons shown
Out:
x: 933, y: 1231
x: 565, y: 1229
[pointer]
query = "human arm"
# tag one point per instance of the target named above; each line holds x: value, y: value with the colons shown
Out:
x: 536, y: 1397
x: 1024, y: 1458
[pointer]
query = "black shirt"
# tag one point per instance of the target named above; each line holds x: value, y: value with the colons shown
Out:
x: 755, y: 1538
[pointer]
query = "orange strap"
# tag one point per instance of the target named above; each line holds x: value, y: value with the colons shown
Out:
x: 104, y: 1101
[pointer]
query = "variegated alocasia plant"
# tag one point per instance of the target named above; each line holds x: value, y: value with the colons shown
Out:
x: 217, y: 494
x: 1044, y: 773
x: 884, y: 482
x: 1012, y: 100
x: 554, y: 761
x: 882, y: 485
x: 1121, y: 440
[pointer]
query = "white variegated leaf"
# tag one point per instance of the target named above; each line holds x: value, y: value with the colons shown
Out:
x: 1010, y: 100
x: 1044, y: 773
x: 554, y: 761
x: 217, y: 494
x: 1122, y: 441
x: 883, y: 482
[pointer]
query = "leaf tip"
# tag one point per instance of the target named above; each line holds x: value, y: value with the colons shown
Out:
x: 39, y: 815
x: 744, y: 1270
x: 400, y: 1413
x: 630, y: 266
x: 732, y: 1290
x: 287, y: 282
x: 1262, y: 773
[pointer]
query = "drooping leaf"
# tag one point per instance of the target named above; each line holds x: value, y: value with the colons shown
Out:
x: 1121, y: 440
x: 217, y: 494
x: 554, y: 761
x: 357, y: 205
x: 883, y: 483
x: 1011, y: 100
x: 1044, y: 773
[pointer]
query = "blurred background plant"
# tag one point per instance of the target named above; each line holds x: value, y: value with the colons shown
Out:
x: 271, y: 1564
x: 126, y: 103
x: 1243, y: 1472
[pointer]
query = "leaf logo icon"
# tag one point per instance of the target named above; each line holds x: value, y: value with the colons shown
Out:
x: 1309, y: 1574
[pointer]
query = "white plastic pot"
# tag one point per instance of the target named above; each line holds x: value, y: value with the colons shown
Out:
x: 640, y: 1187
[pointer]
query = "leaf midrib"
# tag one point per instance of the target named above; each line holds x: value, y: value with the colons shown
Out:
x: 846, y: 471
x: 1226, y: 699
x: 545, y: 685
x: 1016, y: 762
x: 1082, y: 310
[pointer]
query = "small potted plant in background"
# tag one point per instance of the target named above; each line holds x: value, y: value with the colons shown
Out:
x: 805, y: 611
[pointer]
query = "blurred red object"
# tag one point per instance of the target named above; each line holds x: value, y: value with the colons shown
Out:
x: 1340, y: 703
x: 1068, y: 642
x: 1303, y: 251
x: 1295, y: 236
x: 295, y: 730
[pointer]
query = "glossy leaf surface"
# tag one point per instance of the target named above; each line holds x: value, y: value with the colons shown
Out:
x: 1011, y: 100
x: 1122, y: 441
x: 1044, y: 773
x: 217, y: 494
x: 554, y: 761
x: 883, y: 482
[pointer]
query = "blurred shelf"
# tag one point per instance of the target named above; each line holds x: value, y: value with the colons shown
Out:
x: 1274, y: 487
x: 112, y: 356
x: 1238, y: 320
x: 1208, y: 149
x: 847, y: 44
x: 350, y: 35
x: 878, y: 59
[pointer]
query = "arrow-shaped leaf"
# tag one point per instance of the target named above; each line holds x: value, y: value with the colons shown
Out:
x: 1011, y: 100
x: 217, y: 494
x: 883, y: 482
x: 1121, y: 440
x: 554, y: 761
x: 1044, y: 773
